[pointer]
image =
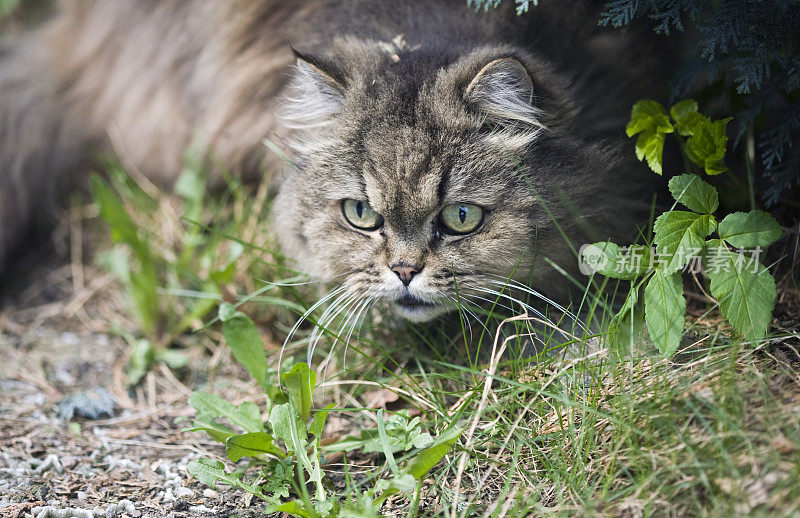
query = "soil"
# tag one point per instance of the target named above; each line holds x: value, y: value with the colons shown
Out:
x: 57, y: 340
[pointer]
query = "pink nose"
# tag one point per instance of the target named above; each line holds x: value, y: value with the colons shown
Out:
x: 405, y: 272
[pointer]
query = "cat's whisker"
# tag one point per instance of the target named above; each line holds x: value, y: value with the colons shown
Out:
x: 506, y: 281
x: 340, y: 304
x: 357, y: 305
x: 320, y: 280
x: 336, y: 291
x: 532, y: 333
x: 513, y: 284
x: 362, y: 304
x: 527, y: 308
x: 358, y: 312
x: 469, y: 297
x: 371, y: 302
x: 495, y: 302
x: 464, y: 298
x: 328, y: 314
x: 354, y: 298
x: 350, y: 299
x: 465, y: 313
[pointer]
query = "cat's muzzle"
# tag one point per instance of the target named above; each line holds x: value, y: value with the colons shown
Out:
x: 416, y: 309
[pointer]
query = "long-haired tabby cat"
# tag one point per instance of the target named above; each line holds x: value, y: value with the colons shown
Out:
x: 434, y: 148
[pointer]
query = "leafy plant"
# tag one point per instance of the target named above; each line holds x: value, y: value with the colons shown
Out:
x: 288, y: 448
x: 182, y: 258
x: 742, y: 285
x: 401, y: 433
x: 522, y: 5
x: 744, y: 50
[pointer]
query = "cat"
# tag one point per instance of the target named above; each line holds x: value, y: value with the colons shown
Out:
x: 435, y: 150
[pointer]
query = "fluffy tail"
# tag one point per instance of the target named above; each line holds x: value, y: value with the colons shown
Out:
x: 37, y: 146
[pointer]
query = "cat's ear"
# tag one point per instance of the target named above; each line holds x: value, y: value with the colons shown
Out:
x: 315, y: 94
x: 502, y: 92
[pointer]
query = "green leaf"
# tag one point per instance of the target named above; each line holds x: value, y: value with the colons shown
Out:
x: 287, y: 426
x: 648, y: 115
x: 299, y: 383
x: 749, y: 229
x: 224, y: 274
x: 368, y: 441
x: 142, y: 356
x: 384, y: 442
x: 665, y: 311
x: 318, y: 424
x: 707, y: 140
x: 245, y: 343
x: 706, y: 147
x: 250, y: 445
x: 680, y: 236
x: 216, y: 431
x: 116, y: 261
x: 626, y: 325
x: 426, y: 459
x: 247, y: 415
x: 191, y: 184
x: 613, y: 261
x: 744, y: 288
x: 650, y: 147
x: 293, y: 508
x: 210, y: 471
x: 281, y: 418
x: 401, y: 434
x: 403, y: 482
x: 280, y: 475
x: 687, y: 118
x: 682, y: 109
x: 142, y: 283
x: 694, y: 193
x: 423, y: 440
x: 174, y: 359
x: 123, y: 229
x: 144, y: 293
x: 651, y: 120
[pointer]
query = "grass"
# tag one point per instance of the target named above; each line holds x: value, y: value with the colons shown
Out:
x: 715, y: 430
x: 715, y: 433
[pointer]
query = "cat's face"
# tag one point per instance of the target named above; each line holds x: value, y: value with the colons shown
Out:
x: 412, y: 184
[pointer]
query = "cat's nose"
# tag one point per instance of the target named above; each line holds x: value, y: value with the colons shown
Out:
x: 405, y: 271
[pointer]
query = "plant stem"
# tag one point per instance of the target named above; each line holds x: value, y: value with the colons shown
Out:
x: 688, y: 165
x: 414, y: 505
x: 750, y: 160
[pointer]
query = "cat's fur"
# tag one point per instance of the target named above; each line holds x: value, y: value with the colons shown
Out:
x: 409, y: 105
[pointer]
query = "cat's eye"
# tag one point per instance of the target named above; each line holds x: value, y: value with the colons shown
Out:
x: 361, y: 215
x: 461, y: 218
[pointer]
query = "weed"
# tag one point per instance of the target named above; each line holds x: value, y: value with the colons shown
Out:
x: 173, y: 260
x: 298, y: 463
x: 740, y: 284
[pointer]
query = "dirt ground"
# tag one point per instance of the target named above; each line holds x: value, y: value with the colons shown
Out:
x: 57, y: 339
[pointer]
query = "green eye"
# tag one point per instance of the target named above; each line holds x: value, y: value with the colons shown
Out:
x: 361, y: 215
x: 461, y: 218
